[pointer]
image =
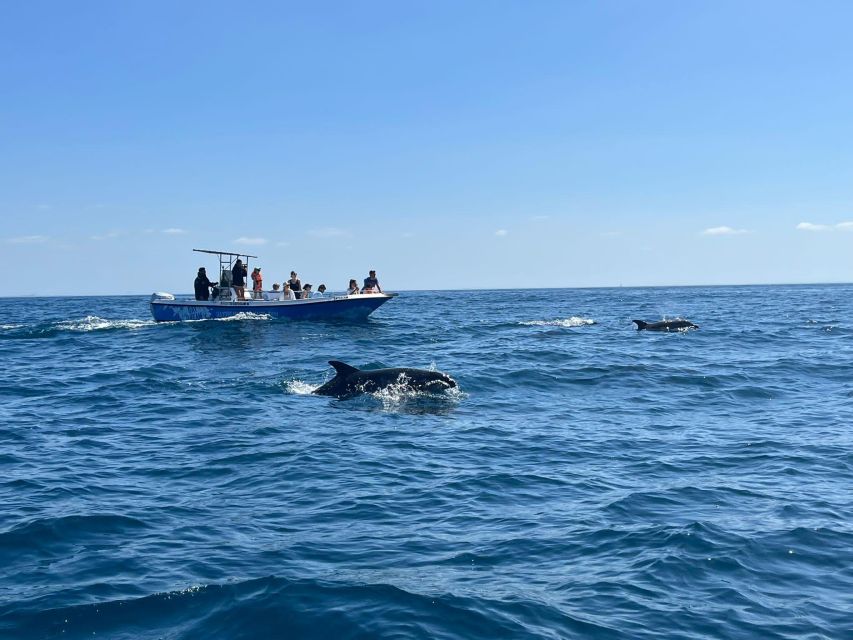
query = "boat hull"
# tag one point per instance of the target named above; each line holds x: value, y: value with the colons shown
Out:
x: 353, y: 308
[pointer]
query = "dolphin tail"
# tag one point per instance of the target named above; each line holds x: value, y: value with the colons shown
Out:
x: 640, y: 324
x: 342, y: 368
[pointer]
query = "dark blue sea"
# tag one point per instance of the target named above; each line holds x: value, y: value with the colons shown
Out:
x: 587, y: 481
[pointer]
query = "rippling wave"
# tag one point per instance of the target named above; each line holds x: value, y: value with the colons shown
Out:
x: 585, y: 480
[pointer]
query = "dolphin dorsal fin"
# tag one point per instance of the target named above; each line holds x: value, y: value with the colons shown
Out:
x: 342, y: 368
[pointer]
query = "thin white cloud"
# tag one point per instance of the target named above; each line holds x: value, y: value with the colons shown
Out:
x: 28, y: 240
x: 173, y: 231
x: 328, y: 232
x: 723, y: 231
x: 283, y: 243
x: 611, y: 234
x: 845, y: 226
x: 540, y: 218
x: 501, y: 232
x: 808, y: 226
x: 106, y: 236
x: 245, y: 240
x: 407, y: 234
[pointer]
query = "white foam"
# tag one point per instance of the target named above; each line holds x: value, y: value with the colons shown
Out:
x: 400, y: 393
x: 567, y: 323
x: 9, y: 327
x: 94, y: 323
x: 299, y: 387
x: 246, y: 315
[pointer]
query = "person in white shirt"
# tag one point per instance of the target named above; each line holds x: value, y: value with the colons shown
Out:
x: 288, y: 292
x: 275, y: 294
x: 321, y: 292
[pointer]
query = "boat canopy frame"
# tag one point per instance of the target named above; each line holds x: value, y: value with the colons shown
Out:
x: 226, y: 262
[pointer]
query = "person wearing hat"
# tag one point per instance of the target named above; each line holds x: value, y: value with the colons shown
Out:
x: 202, y: 285
x: 257, y: 284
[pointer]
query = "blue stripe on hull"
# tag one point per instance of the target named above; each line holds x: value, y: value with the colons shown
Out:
x: 344, y: 309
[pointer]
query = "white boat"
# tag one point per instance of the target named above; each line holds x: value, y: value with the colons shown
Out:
x: 167, y: 308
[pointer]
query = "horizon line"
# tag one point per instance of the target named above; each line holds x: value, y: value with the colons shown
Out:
x: 591, y: 287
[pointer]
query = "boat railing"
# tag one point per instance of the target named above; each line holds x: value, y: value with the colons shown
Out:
x: 229, y: 295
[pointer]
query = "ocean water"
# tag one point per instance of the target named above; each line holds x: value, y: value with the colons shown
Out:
x: 588, y: 480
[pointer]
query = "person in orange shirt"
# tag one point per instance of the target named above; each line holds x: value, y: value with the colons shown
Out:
x: 258, y: 284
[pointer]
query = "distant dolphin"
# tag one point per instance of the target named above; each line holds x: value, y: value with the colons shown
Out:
x: 350, y: 381
x: 665, y: 325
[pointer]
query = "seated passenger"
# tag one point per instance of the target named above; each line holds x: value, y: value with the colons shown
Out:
x: 352, y: 290
x: 321, y: 292
x: 306, y: 291
x: 275, y: 294
x: 371, y: 284
x: 288, y: 292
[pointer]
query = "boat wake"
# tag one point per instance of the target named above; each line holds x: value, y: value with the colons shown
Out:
x: 566, y: 323
x: 85, y: 324
x: 244, y: 315
x: 96, y: 323
x: 88, y: 324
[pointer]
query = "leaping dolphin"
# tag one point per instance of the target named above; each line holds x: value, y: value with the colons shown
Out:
x: 665, y: 325
x: 350, y: 381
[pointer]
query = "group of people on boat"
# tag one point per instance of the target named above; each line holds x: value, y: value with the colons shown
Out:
x: 289, y: 292
x: 292, y: 289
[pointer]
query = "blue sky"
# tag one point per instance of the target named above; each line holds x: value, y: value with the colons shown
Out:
x: 445, y: 144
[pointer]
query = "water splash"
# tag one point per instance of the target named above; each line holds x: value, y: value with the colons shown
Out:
x: 567, y: 323
x: 299, y: 387
x: 401, y: 396
x: 417, y: 402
